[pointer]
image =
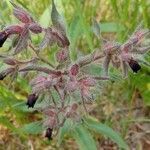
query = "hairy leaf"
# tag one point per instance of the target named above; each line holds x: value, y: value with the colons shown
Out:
x: 57, y: 19
x: 107, y: 131
x: 5, y: 121
x: 84, y: 139
x: 33, y: 128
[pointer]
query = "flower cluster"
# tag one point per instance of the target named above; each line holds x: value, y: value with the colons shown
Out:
x: 125, y: 54
x: 66, y: 86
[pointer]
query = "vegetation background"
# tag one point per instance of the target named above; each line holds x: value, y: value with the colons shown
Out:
x: 124, y: 105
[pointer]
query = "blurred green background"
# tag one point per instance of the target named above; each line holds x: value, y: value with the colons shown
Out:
x: 117, y: 19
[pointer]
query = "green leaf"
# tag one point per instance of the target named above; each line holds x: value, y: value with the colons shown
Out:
x: 5, y: 121
x: 33, y: 128
x: 146, y: 97
x: 22, y: 107
x: 142, y: 83
x: 7, y: 97
x: 96, y: 70
x: 64, y: 130
x: 57, y: 20
x: 83, y: 138
x: 23, y: 83
x: 107, y: 131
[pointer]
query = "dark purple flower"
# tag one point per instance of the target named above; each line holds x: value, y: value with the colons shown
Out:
x: 2, y: 76
x: 32, y: 98
x: 3, y: 37
x: 134, y: 65
x: 48, y: 133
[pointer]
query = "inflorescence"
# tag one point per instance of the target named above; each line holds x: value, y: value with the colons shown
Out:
x: 66, y: 80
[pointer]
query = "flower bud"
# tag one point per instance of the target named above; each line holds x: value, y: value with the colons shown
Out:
x: 48, y: 133
x: 21, y: 14
x: 62, y: 55
x: 71, y: 86
x: 71, y: 111
x: 35, y: 28
x: 88, y: 81
x: 74, y: 70
x: 10, y: 61
x: 14, y: 29
x: 134, y: 65
x: 60, y: 39
x: 3, y: 38
x: 32, y: 98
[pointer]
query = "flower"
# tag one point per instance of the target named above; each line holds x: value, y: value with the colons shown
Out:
x: 128, y: 60
x: 134, y: 65
x: 2, y: 76
x: 3, y: 37
x: 13, y: 29
x: 64, y: 87
x: 48, y: 133
x: 32, y: 98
